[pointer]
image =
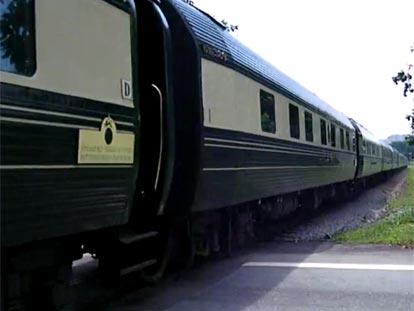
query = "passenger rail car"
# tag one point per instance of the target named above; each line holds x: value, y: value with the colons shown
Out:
x: 145, y: 132
x: 387, y: 152
x: 56, y: 119
x: 69, y: 122
x: 262, y: 133
x: 370, y: 152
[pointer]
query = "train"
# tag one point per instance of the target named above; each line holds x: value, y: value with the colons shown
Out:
x: 144, y: 133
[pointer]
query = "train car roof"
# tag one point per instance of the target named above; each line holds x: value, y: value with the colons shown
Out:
x: 209, y: 31
x: 384, y: 144
x: 368, y: 135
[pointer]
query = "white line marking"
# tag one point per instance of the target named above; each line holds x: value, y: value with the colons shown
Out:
x: 327, y: 265
x: 54, y: 167
x: 264, y: 168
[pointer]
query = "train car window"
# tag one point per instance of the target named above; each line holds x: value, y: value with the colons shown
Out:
x: 294, y: 121
x: 333, y: 135
x: 342, y: 138
x: 308, y: 126
x: 267, y: 112
x: 17, y: 37
x: 348, y: 145
x: 323, y: 132
x: 353, y: 142
x: 329, y: 133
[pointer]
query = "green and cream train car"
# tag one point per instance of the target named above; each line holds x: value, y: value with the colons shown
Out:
x: 138, y: 134
x: 69, y: 120
x: 369, y: 152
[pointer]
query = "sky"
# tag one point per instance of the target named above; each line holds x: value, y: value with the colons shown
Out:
x: 346, y: 52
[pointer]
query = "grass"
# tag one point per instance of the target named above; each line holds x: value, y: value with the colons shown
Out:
x: 396, y: 227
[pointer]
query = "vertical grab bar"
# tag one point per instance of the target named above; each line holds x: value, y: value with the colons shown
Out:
x: 161, y: 137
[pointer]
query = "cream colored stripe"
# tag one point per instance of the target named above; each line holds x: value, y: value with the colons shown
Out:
x: 263, y: 145
x: 54, y: 167
x: 47, y: 123
x: 56, y: 124
x: 264, y: 150
x: 263, y: 168
x: 327, y: 265
x: 326, y: 147
x: 60, y: 114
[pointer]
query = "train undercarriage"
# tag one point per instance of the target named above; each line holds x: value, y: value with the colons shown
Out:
x: 39, y: 276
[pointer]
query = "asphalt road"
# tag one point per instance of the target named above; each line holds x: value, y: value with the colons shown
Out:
x: 287, y: 276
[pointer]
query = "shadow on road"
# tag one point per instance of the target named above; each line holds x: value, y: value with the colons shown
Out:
x: 220, y: 284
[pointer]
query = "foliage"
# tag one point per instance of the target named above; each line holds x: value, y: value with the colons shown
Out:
x: 396, y: 227
x: 268, y: 125
x: 229, y: 27
x: 405, y: 77
x: 16, y: 36
x: 404, y: 147
x: 410, y: 138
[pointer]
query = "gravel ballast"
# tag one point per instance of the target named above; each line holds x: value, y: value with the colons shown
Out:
x: 369, y: 206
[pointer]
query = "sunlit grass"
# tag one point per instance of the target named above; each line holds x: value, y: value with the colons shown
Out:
x: 396, y: 227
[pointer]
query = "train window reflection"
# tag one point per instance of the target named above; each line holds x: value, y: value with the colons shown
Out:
x: 348, y: 144
x: 323, y: 132
x: 267, y: 112
x: 17, y: 37
x: 333, y: 135
x: 294, y: 121
x: 308, y: 126
x: 342, y: 138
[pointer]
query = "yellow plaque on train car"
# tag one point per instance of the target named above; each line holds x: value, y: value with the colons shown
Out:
x: 106, y: 145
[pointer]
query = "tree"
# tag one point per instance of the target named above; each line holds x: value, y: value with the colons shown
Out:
x: 229, y: 27
x: 404, y: 147
x: 405, y: 77
x: 17, y: 35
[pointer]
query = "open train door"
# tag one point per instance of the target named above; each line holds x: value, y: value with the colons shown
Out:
x: 359, y: 148
x: 157, y: 114
x: 143, y: 242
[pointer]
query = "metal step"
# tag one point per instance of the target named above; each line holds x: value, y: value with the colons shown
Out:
x: 138, y: 266
x: 128, y: 237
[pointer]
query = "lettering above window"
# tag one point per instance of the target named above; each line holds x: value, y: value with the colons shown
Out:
x: 214, y: 52
x: 17, y: 37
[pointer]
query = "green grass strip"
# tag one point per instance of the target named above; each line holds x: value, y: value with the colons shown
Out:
x: 396, y: 227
